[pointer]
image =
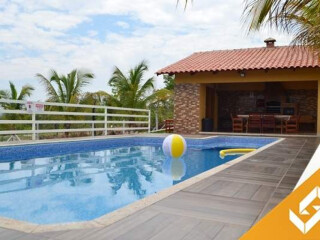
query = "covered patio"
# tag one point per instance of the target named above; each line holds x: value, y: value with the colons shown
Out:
x: 269, y: 89
x: 262, y: 107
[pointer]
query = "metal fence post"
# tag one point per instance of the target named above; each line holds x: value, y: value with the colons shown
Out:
x: 37, y: 128
x: 106, y: 121
x: 123, y: 126
x: 33, y: 126
x: 149, y: 123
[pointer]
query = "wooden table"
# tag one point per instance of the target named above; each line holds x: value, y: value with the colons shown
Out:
x: 277, y: 116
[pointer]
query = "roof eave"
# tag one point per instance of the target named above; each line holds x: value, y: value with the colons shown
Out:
x: 161, y: 72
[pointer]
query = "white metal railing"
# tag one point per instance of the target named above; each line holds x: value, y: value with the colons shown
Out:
x: 43, y: 117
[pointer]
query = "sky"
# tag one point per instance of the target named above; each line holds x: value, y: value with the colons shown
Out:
x: 96, y: 35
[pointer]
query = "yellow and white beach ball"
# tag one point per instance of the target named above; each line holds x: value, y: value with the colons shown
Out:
x: 174, y: 146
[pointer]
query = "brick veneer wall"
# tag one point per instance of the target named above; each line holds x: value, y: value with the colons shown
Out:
x: 241, y: 102
x: 187, y: 108
x: 307, y: 100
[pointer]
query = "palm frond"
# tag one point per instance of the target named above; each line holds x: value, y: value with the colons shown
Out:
x: 53, y: 95
x: 4, y: 94
x: 14, y: 92
x: 301, y: 18
x: 132, y: 89
x: 82, y: 80
x: 26, y: 91
x: 186, y: 2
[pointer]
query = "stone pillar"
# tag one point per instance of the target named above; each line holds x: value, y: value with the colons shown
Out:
x: 187, y: 108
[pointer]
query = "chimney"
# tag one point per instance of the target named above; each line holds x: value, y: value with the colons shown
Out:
x: 270, y: 42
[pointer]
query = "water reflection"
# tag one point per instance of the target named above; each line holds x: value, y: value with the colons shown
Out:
x: 130, y: 166
x: 175, y: 167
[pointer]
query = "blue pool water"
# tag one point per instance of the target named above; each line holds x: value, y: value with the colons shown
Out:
x: 83, y: 180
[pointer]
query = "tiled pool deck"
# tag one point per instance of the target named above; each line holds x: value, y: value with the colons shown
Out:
x: 222, y: 206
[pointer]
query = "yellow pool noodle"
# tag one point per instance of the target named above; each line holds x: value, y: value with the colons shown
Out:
x: 235, y: 151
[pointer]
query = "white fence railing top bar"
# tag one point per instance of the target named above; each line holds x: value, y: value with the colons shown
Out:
x: 17, y: 120
x: 73, y: 105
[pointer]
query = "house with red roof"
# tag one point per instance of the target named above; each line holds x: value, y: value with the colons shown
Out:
x: 227, y: 90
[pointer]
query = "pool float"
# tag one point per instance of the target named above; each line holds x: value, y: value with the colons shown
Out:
x: 235, y: 151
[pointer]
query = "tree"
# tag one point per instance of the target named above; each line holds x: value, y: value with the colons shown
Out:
x: 131, y: 90
x: 162, y: 106
x: 169, y: 81
x: 301, y: 18
x: 94, y: 98
x: 65, y: 88
x: 296, y: 17
x: 13, y: 94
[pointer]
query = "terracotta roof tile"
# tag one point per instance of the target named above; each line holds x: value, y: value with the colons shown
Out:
x: 245, y: 59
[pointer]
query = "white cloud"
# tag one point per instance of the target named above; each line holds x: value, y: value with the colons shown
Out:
x: 123, y: 25
x: 35, y: 37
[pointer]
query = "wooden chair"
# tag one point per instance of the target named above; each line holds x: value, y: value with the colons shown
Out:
x: 169, y: 125
x: 308, y: 121
x: 292, y: 125
x: 268, y: 122
x: 254, y: 122
x: 237, y: 123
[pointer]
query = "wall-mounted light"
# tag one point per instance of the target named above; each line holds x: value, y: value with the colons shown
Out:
x: 242, y: 74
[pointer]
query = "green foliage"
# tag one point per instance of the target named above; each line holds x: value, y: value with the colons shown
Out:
x: 13, y: 94
x: 161, y: 107
x: 296, y: 17
x: 131, y: 90
x: 169, y: 81
x: 65, y: 88
x: 94, y: 98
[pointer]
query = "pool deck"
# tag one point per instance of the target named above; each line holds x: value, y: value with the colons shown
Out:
x: 222, y: 206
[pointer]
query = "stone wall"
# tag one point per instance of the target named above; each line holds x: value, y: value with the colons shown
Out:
x: 187, y: 108
x: 307, y: 100
x: 236, y: 102
x: 241, y: 102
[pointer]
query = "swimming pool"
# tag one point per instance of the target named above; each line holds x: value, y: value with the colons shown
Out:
x: 83, y: 180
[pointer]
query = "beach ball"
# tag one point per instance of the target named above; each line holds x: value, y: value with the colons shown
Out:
x: 174, y: 146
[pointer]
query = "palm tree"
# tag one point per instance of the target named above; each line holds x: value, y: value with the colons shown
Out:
x: 65, y: 88
x: 13, y: 94
x: 301, y: 18
x: 131, y: 90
